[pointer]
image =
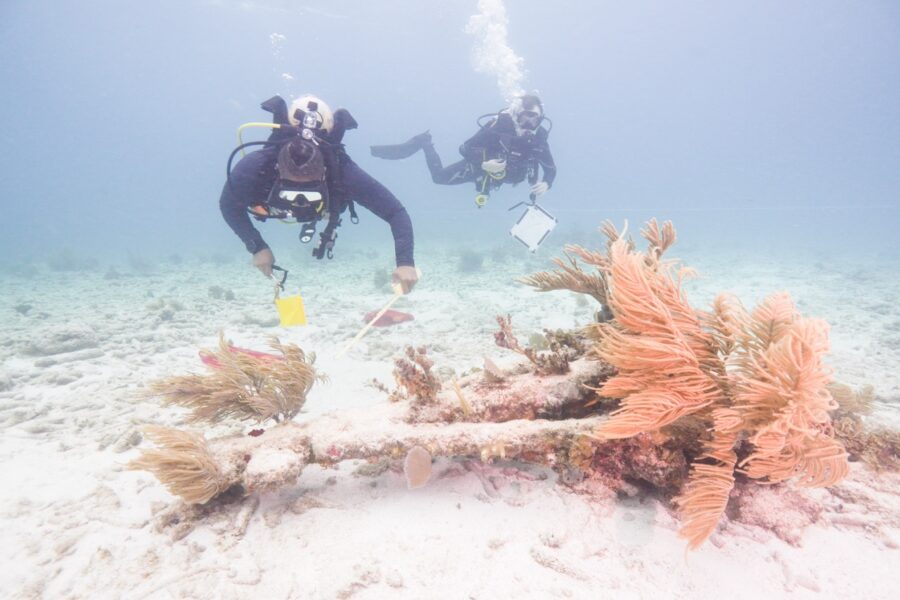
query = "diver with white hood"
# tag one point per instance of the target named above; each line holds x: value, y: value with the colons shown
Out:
x: 510, y: 147
x: 303, y: 175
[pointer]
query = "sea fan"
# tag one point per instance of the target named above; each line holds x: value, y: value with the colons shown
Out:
x: 182, y: 463
x: 245, y: 386
x: 570, y: 276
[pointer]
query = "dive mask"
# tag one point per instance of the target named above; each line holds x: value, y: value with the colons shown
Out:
x: 298, y: 196
x: 529, y: 119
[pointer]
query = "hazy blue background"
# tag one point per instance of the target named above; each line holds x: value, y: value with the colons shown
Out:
x: 754, y: 122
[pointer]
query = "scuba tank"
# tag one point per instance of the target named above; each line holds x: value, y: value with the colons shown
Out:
x: 516, y: 150
x: 308, y: 160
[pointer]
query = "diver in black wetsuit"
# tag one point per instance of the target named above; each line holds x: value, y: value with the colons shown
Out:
x: 510, y: 148
x: 303, y: 173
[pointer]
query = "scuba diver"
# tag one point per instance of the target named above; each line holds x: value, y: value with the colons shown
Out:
x: 303, y: 174
x: 509, y: 148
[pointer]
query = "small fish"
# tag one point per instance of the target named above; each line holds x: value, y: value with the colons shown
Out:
x: 390, y: 317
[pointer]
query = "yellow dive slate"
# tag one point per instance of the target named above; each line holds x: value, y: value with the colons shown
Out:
x: 291, y: 311
x: 290, y: 308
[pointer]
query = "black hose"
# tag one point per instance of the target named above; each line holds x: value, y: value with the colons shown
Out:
x: 549, y: 129
x: 241, y: 147
x: 478, y: 120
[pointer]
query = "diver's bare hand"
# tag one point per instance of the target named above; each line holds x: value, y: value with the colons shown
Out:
x: 405, y: 277
x: 539, y: 189
x: 263, y: 260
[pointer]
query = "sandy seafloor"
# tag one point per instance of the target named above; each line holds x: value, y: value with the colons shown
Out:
x: 75, y: 524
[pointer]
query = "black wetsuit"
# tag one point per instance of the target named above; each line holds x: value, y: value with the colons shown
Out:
x: 496, y: 140
x: 253, y: 177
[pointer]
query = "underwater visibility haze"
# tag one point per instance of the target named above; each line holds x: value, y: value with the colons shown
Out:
x: 513, y: 425
x: 776, y: 112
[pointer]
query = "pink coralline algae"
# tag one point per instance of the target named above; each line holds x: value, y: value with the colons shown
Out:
x: 210, y: 360
x: 778, y: 508
x: 390, y: 317
x: 639, y: 459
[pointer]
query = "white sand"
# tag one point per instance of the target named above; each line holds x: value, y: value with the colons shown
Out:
x: 75, y: 524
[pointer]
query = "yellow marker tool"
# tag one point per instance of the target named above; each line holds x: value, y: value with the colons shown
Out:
x: 291, y: 311
x: 290, y: 308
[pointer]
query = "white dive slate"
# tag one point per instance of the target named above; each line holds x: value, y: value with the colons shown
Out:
x: 533, y: 226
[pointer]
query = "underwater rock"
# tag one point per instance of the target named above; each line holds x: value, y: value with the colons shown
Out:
x: 517, y: 396
x: 640, y: 458
x: 500, y: 254
x: 68, y: 357
x: 127, y: 441
x: 271, y: 468
x: 219, y: 259
x: 67, y: 261
x: 261, y: 321
x: 199, y: 470
x: 381, y: 278
x: 167, y: 309
x: 470, y: 262
x: 219, y: 293
x: 57, y: 378
x: 68, y: 338
x: 779, y: 509
x: 138, y: 264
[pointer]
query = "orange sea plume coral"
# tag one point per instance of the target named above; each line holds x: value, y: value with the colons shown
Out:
x: 657, y: 344
x: 757, y: 378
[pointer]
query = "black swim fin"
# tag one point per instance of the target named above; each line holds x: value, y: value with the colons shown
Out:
x: 404, y: 150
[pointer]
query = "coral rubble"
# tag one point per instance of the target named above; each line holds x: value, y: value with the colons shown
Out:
x: 560, y: 348
x: 654, y: 393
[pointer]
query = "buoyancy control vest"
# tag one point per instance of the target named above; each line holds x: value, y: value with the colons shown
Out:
x: 307, y: 186
x: 519, y: 149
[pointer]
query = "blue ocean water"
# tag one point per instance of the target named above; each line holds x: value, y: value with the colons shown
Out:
x: 766, y: 130
x: 753, y: 124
